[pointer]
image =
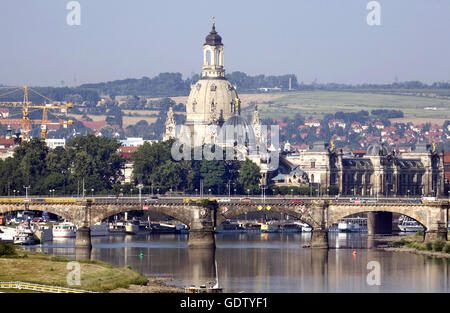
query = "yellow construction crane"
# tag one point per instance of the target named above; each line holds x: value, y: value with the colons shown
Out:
x: 26, y: 105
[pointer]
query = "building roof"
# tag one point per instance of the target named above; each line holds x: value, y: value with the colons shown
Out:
x: 213, y: 38
x: 279, y: 177
x: 447, y: 157
x: 127, y: 151
x: 6, y: 142
x: 357, y: 162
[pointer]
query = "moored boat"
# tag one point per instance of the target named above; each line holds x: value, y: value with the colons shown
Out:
x: 7, y: 234
x: 409, y: 225
x: 99, y: 230
x: 25, y: 235
x: 64, y: 230
x: 347, y: 226
x: 132, y: 227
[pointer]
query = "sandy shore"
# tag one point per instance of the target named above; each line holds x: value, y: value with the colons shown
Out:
x: 154, y: 285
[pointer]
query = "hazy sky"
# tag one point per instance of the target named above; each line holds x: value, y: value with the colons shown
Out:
x: 324, y: 39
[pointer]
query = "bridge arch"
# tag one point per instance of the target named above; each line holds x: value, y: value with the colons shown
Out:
x: 418, y: 214
x: 303, y: 213
x: 54, y: 209
x: 99, y: 214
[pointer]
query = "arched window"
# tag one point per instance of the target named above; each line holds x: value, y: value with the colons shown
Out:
x: 208, y: 57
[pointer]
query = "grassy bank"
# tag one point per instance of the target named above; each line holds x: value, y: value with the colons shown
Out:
x: 417, y: 243
x: 36, y: 267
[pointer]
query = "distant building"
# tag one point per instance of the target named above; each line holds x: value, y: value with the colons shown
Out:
x: 135, y: 142
x: 54, y: 143
x: 377, y: 172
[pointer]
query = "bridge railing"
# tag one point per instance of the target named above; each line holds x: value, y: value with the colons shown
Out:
x: 38, y: 287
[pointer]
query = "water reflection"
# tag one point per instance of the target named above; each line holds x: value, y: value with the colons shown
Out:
x: 268, y: 262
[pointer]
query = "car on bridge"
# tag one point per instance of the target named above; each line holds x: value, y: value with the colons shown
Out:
x: 224, y: 200
x: 357, y: 200
x: 246, y: 200
x: 152, y: 199
x: 296, y: 201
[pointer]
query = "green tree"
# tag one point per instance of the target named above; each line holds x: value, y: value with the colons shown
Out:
x: 249, y: 177
x: 168, y: 176
x: 95, y: 159
x: 213, y: 173
x: 148, y: 158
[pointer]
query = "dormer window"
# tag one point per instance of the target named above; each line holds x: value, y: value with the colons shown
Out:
x: 213, y: 87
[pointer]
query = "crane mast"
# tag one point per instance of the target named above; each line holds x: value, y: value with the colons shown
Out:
x: 27, y: 105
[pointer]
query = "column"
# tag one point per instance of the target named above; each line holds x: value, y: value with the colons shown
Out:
x: 83, y: 235
x: 379, y: 223
x: 319, y: 239
x: 201, y: 233
x: 438, y: 230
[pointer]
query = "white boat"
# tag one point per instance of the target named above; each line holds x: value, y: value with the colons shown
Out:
x: 305, y: 227
x: 289, y: 228
x: 347, y: 226
x: 182, y: 228
x: 267, y: 228
x: 409, y: 225
x: 99, y: 230
x: 64, y: 230
x: 24, y: 235
x: 7, y: 233
x: 132, y: 227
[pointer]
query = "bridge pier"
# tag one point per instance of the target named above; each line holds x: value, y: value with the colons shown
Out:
x: 438, y: 231
x: 83, y: 238
x: 203, y: 239
x: 379, y: 223
x: 319, y: 239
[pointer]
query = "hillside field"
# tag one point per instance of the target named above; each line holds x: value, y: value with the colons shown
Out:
x: 318, y: 103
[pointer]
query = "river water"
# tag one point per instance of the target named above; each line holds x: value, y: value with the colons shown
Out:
x: 269, y: 263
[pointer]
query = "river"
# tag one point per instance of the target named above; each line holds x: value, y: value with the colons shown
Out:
x: 269, y: 263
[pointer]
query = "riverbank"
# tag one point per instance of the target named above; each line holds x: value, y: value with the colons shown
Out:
x: 154, y: 285
x: 415, y: 244
x: 40, y: 268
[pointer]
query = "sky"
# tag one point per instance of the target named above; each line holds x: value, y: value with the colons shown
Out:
x: 322, y: 40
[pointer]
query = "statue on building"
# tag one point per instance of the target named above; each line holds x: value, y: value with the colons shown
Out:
x: 256, y: 124
x: 170, y: 125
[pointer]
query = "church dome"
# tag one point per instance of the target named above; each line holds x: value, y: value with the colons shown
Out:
x: 236, y: 131
x: 213, y: 38
x: 208, y: 96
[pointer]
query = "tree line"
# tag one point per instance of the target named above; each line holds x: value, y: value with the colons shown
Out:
x: 92, y: 163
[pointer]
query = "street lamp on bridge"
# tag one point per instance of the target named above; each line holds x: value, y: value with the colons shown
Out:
x: 26, y: 191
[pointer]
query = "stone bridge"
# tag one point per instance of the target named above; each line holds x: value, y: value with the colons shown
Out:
x: 203, y: 218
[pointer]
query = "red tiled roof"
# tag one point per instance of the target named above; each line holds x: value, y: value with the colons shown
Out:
x: 447, y: 157
x: 126, y: 151
x: 6, y: 142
